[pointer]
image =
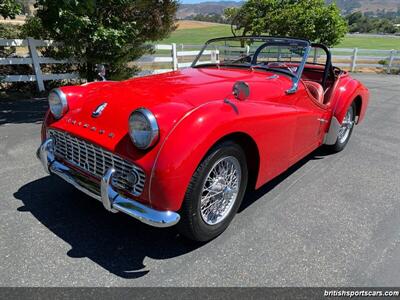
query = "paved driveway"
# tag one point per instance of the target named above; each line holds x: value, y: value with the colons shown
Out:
x: 330, y: 220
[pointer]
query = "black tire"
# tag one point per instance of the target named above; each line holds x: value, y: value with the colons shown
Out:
x: 341, y: 144
x: 192, y: 224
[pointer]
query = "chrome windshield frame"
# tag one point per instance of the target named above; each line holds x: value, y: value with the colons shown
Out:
x: 296, y: 76
x: 296, y: 79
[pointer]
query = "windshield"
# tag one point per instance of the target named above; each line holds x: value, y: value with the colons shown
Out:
x: 284, y: 55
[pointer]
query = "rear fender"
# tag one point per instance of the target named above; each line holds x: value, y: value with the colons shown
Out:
x: 348, y: 91
x: 345, y: 95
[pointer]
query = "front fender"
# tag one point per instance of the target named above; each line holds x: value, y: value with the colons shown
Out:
x: 195, y: 134
x: 180, y: 154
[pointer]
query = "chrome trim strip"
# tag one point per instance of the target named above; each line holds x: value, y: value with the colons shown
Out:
x: 110, y: 198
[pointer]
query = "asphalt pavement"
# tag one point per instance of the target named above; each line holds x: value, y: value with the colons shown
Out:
x: 330, y: 220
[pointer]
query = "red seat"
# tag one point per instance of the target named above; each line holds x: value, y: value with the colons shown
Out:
x: 315, y: 90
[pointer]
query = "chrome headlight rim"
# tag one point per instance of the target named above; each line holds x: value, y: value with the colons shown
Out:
x: 63, y: 101
x: 154, y: 129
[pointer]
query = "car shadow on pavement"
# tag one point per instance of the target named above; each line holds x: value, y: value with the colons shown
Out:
x: 22, y: 110
x: 253, y: 196
x: 116, y: 242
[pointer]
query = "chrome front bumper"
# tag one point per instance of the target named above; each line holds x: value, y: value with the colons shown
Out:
x: 111, y: 199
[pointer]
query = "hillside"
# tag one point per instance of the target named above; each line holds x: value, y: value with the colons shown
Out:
x: 347, y: 6
x: 374, y: 5
x: 204, y: 8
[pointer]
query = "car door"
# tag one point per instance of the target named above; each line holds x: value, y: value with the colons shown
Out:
x: 312, y: 119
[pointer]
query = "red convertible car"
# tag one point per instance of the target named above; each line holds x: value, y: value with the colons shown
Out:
x: 182, y: 147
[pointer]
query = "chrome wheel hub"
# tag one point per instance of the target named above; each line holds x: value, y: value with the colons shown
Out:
x: 347, y: 124
x: 220, y: 190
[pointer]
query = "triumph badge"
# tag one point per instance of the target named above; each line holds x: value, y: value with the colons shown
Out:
x: 97, y: 112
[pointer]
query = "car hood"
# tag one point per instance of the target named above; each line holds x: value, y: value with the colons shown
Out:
x: 168, y: 96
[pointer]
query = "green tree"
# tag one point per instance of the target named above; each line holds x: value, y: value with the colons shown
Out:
x: 214, y: 18
x: 354, y: 17
x: 310, y: 19
x: 9, y: 9
x: 111, y: 32
x: 385, y: 26
x: 365, y: 24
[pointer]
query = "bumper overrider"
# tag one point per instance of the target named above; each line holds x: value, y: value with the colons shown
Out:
x: 111, y: 199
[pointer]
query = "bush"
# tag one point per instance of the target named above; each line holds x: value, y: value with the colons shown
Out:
x: 383, y: 62
x: 10, y: 31
x: 103, y: 32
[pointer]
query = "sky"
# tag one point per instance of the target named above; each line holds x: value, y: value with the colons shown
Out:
x: 199, y: 1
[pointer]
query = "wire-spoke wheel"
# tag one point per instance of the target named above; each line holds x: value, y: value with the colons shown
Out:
x: 214, y: 193
x: 347, y: 125
x: 220, y: 190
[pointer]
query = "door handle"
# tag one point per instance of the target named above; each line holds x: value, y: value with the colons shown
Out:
x: 322, y: 120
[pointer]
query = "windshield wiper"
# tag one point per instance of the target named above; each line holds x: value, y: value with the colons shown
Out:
x: 221, y: 65
x: 233, y: 65
x: 273, y: 70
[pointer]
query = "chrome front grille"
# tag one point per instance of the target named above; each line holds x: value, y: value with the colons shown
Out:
x: 97, y: 161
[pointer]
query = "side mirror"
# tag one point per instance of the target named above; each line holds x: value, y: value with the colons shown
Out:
x: 101, y: 72
x: 241, y: 90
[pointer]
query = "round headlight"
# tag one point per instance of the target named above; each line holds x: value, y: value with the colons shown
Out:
x: 58, y: 103
x: 143, y: 128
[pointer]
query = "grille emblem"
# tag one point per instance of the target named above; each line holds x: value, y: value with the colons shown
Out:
x: 98, y: 111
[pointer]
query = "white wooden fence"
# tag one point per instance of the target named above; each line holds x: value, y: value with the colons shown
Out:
x: 172, y: 57
x: 33, y: 59
x: 353, y: 59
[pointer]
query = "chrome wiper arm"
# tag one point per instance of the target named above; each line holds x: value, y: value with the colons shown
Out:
x: 233, y: 65
x: 273, y: 70
x: 221, y: 65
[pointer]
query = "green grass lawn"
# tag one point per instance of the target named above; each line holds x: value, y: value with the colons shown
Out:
x: 378, y: 43
x: 198, y: 36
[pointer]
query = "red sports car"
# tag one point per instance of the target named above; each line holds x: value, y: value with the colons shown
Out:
x: 182, y: 147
